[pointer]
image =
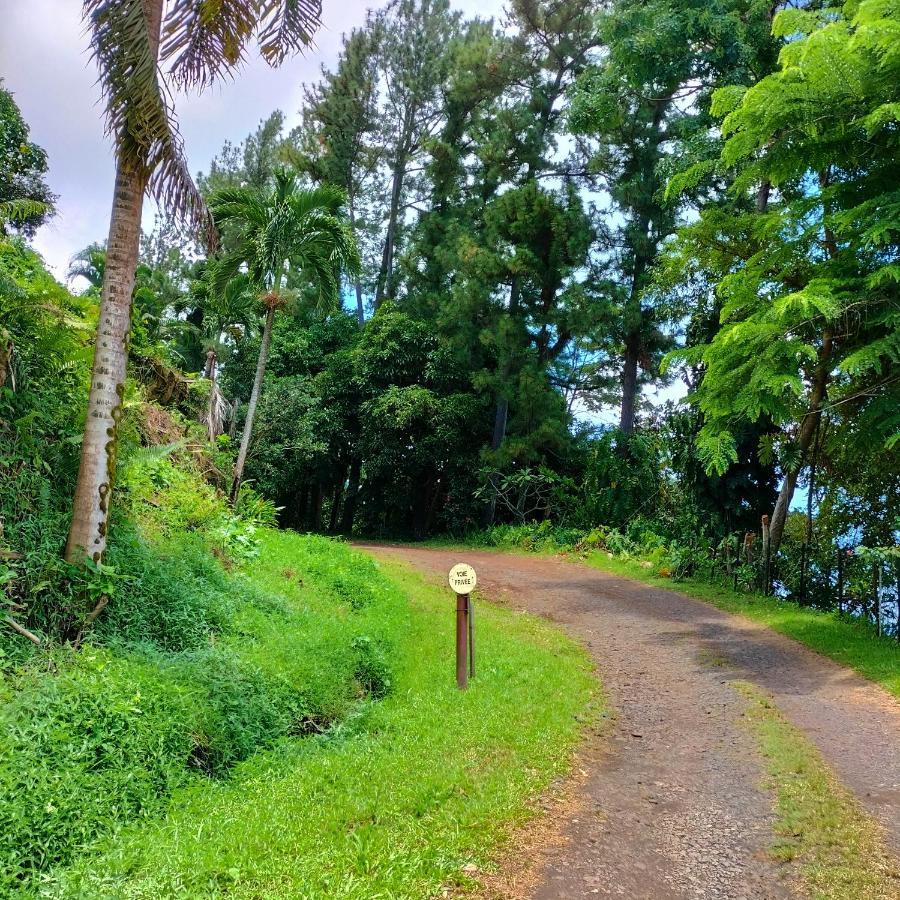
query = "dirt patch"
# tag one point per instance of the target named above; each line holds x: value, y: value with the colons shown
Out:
x: 674, y: 806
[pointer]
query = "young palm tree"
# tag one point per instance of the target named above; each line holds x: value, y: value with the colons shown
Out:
x: 281, y: 234
x: 134, y: 43
x: 229, y: 314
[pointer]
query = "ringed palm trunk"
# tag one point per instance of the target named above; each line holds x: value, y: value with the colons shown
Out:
x: 96, y: 473
x: 97, y: 469
x: 254, y: 401
x: 212, y: 417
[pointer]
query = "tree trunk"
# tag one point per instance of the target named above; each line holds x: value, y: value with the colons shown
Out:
x: 383, y: 287
x: 334, y: 516
x: 254, y: 400
x: 804, y: 441
x: 349, y: 511
x: 315, y: 518
x: 762, y: 196
x: 96, y: 471
x: 629, y: 391
x: 6, y: 352
x: 357, y: 284
x: 210, y: 374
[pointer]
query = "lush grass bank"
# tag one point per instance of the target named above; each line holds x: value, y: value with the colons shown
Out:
x: 394, y: 801
x: 848, y: 641
x: 255, y: 710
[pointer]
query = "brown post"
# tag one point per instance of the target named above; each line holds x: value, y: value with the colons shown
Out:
x: 471, y: 638
x: 462, y: 641
x: 840, y: 580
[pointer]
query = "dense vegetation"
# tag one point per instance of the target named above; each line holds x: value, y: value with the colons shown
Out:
x: 417, y: 313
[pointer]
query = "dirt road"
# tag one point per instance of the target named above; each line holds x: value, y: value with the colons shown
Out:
x: 672, y: 806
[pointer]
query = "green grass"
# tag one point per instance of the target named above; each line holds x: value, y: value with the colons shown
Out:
x: 819, y: 825
x: 853, y: 644
x: 393, y: 802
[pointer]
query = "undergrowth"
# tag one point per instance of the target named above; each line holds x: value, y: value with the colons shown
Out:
x: 189, y: 669
x: 405, y: 798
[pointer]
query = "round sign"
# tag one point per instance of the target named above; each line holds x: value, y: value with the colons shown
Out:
x: 462, y: 578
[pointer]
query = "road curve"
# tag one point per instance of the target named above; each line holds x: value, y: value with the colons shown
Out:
x: 673, y: 806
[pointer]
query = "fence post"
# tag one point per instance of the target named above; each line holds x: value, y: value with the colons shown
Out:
x: 766, y: 556
x: 840, y: 579
x: 897, y: 620
x: 876, y: 585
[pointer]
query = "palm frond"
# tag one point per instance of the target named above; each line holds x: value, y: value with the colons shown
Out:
x: 204, y: 41
x: 20, y: 210
x: 138, y: 114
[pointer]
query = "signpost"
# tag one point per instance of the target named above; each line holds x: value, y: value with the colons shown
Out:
x: 463, y: 580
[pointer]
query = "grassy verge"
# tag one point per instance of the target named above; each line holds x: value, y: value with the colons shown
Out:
x: 393, y: 802
x: 853, y: 644
x: 819, y: 824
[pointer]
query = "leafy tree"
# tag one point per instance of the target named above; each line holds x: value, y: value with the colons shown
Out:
x: 26, y: 201
x: 645, y: 105
x: 283, y: 233
x: 808, y: 286
x: 250, y: 164
x: 132, y: 42
x: 415, y: 38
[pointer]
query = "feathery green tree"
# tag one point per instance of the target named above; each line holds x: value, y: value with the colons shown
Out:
x: 26, y: 201
x: 810, y: 307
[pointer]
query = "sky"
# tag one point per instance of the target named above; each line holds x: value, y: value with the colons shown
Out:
x: 44, y: 61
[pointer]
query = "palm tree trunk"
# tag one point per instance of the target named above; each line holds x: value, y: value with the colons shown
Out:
x: 254, y: 400
x: 96, y: 473
x: 211, y: 412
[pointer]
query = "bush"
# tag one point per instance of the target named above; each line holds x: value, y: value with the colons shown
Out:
x: 101, y: 741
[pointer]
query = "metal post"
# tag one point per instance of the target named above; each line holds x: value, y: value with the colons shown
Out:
x: 462, y: 641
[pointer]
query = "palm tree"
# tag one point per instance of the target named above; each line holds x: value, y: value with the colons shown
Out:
x: 285, y: 233
x: 229, y: 314
x: 136, y: 46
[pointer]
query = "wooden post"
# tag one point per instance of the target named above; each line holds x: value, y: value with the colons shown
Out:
x: 840, y: 579
x: 876, y: 590
x: 766, y: 556
x: 462, y: 641
x: 471, y: 637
